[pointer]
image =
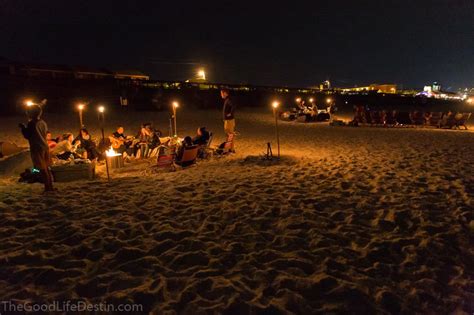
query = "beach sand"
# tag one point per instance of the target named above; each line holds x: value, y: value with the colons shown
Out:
x: 350, y: 220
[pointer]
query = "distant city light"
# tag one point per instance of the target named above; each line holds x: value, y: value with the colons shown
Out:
x: 175, y: 104
x: 275, y: 104
x: 298, y: 100
x: 29, y: 103
x: 80, y: 106
x: 311, y: 100
x: 202, y: 74
x: 328, y: 100
x: 101, y: 109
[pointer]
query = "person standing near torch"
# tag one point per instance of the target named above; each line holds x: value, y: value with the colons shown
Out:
x: 229, y: 116
x: 35, y: 132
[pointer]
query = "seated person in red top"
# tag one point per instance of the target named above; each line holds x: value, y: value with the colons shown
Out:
x: 51, y: 142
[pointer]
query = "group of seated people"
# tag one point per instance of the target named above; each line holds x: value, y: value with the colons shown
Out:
x: 149, y: 139
x: 68, y: 147
x: 307, y: 112
x: 365, y: 115
x: 83, y: 146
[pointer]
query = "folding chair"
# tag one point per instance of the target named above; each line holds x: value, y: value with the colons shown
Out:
x: 189, y: 156
x: 205, y: 151
x: 462, y: 118
x: 165, y: 158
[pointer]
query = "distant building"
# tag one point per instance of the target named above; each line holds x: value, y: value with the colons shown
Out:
x: 378, y: 88
x: 435, y: 91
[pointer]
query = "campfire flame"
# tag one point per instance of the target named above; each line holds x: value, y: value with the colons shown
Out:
x: 111, y: 152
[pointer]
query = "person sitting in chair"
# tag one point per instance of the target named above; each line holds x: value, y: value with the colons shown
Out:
x: 186, y: 143
x: 147, y: 140
x: 202, y: 136
x: 87, y: 144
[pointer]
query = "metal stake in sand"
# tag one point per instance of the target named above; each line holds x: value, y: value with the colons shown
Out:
x: 80, y: 108
x: 175, y: 105
x: 275, y: 113
x: 101, y: 110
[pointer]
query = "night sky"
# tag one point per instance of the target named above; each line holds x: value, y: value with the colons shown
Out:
x: 411, y: 43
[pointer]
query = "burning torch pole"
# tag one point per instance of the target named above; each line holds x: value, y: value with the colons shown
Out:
x: 175, y: 105
x: 101, y: 110
x: 275, y: 113
x: 80, y: 107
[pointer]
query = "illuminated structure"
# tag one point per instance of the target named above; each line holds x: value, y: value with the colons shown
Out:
x: 378, y: 88
x: 435, y: 91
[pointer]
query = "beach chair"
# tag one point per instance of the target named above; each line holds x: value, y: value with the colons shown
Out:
x: 227, y: 146
x: 189, y: 156
x: 417, y: 118
x: 165, y: 158
x: 302, y: 118
x: 435, y: 119
x: 375, y: 118
x: 403, y: 118
x: 389, y: 118
x: 205, y: 151
x: 448, y: 121
x: 462, y: 119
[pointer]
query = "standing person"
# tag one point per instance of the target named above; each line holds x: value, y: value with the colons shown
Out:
x: 229, y: 116
x: 35, y: 132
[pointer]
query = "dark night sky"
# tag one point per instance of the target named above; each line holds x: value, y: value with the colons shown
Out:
x: 300, y: 43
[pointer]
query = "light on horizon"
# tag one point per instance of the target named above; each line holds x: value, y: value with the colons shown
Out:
x: 328, y: 100
x: 101, y: 109
x: 298, y: 100
x: 202, y: 74
x: 29, y: 103
x: 80, y: 106
x: 275, y: 104
x: 175, y: 104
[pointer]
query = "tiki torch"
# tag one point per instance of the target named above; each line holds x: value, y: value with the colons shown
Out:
x: 175, y: 105
x: 80, y: 108
x: 101, y: 110
x: 275, y: 113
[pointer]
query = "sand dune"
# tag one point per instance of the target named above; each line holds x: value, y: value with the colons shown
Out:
x: 351, y: 220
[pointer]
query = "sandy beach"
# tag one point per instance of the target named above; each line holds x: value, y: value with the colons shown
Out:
x: 350, y: 220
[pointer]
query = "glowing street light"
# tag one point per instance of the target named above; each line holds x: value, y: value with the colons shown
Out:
x: 298, y: 100
x: 311, y: 100
x: 329, y: 100
x: 101, y: 110
x: 275, y: 105
x: 175, y: 105
x: 80, y: 107
x: 29, y: 103
x: 202, y: 74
